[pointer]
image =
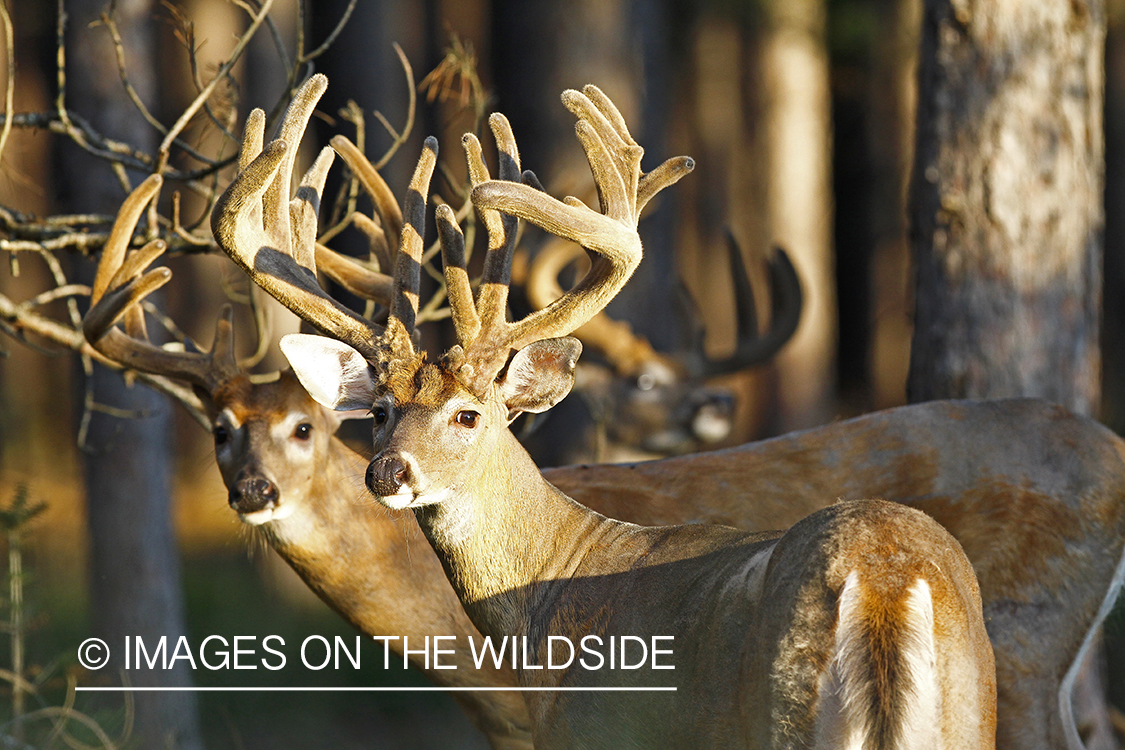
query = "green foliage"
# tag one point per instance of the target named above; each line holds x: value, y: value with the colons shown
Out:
x: 19, y: 511
x: 45, y: 726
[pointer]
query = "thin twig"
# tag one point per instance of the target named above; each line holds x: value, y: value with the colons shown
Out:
x: 59, y: 292
x: 10, y: 88
x: 60, y: 60
x: 123, y: 72
x: 203, y: 95
x: 331, y: 38
x: 399, y: 139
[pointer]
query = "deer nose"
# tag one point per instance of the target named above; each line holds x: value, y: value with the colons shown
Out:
x: 253, y: 494
x: 713, y: 419
x: 386, y: 475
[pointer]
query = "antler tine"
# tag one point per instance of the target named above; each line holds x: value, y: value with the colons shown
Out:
x: 123, y: 283
x: 113, y: 253
x: 378, y: 249
x: 305, y: 207
x: 275, y: 202
x: 253, y: 138
x: 492, y: 301
x: 466, y: 321
x: 665, y: 175
x: 615, y: 161
x: 408, y: 265
x: 785, y: 304
x: 243, y: 219
x: 386, y: 207
x: 350, y: 274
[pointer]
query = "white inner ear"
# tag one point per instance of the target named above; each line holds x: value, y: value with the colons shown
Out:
x: 334, y: 374
x: 519, y: 377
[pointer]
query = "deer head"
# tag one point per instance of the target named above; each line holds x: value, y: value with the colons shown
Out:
x: 271, y: 438
x: 268, y: 434
x: 654, y: 403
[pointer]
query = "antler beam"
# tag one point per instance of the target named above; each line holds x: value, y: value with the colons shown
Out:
x: 615, y: 158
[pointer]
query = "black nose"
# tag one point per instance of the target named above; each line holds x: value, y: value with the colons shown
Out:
x: 386, y: 475
x: 253, y: 494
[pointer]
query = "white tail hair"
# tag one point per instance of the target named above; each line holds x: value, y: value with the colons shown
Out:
x: 880, y: 691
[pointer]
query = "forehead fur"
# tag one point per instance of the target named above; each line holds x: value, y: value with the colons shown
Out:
x: 247, y: 401
x: 422, y: 383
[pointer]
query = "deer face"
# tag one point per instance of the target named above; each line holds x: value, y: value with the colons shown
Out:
x: 270, y: 442
x: 433, y: 435
x: 659, y: 409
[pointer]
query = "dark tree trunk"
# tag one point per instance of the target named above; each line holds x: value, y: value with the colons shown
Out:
x: 1007, y: 217
x: 134, y: 565
x: 1007, y: 207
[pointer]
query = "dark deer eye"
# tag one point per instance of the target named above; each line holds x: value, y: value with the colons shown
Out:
x: 379, y: 413
x: 303, y: 431
x: 467, y: 418
x: 220, y: 434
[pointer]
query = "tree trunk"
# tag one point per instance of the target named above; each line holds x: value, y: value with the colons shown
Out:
x: 795, y: 81
x: 1007, y: 216
x: 1007, y: 206
x: 134, y: 565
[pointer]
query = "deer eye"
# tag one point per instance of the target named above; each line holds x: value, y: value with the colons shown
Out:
x: 220, y: 434
x: 379, y: 413
x: 303, y: 431
x: 467, y: 418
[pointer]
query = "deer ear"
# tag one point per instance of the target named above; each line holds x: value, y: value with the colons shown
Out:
x: 540, y: 375
x: 334, y: 374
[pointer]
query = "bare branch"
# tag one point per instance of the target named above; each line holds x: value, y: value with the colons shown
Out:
x: 23, y: 319
x: 400, y: 138
x: 331, y: 38
x: 196, y: 103
x: 10, y: 88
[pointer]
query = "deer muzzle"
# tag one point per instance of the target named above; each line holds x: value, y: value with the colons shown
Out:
x: 387, y: 474
x: 253, y: 494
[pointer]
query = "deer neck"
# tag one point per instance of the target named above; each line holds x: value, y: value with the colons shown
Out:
x: 501, y: 538
x: 324, y: 516
x: 337, y: 537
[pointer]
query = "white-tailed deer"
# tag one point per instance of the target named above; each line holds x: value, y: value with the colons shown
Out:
x: 648, y: 404
x: 861, y: 623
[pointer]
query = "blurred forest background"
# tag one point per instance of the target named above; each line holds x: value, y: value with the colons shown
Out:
x: 800, y: 115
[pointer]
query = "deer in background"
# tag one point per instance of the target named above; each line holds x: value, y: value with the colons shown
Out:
x: 646, y: 404
x: 525, y: 560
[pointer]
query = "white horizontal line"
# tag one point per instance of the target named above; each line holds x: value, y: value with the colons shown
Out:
x: 372, y: 689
